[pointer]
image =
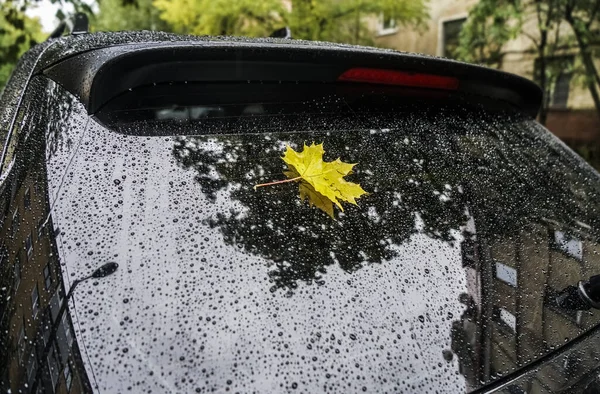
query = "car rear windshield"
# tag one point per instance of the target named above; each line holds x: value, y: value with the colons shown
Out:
x: 444, y: 274
x: 181, y: 109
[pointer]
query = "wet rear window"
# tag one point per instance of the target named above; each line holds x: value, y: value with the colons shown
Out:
x: 225, y: 108
x: 443, y: 277
x: 520, y: 212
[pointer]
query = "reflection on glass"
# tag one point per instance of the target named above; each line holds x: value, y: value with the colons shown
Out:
x: 447, y: 273
x: 520, y: 319
x: 482, y: 181
x: 38, y: 351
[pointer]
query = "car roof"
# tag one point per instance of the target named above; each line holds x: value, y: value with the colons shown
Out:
x: 82, y: 62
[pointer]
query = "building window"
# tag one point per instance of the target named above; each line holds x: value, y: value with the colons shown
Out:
x: 27, y: 199
x: 505, y: 319
x: 68, y: 372
x: 17, y: 271
x: 31, y: 370
x: 560, y: 90
x: 569, y: 245
x: 506, y: 274
x: 41, y: 228
x: 47, y: 277
x: 61, y: 296
x: 15, y: 222
x: 35, y: 302
x: 67, y: 329
x: 21, y: 342
x: 53, y: 366
x: 3, y: 254
x: 29, y: 245
x: 450, y: 37
x: 46, y: 321
x: 387, y: 24
x: 55, y: 304
x: 559, y: 71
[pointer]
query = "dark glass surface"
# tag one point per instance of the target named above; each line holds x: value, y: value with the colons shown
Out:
x: 442, y: 278
x: 39, y: 351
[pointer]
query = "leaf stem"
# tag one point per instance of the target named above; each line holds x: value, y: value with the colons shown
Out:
x: 278, y: 182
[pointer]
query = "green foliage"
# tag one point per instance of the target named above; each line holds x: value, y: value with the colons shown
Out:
x: 491, y: 24
x: 117, y: 15
x: 345, y: 21
x: 17, y: 34
x: 584, y: 16
x: 222, y: 17
x: 328, y: 20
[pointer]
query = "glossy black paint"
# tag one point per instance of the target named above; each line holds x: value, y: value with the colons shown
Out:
x: 220, y: 287
x: 98, y: 75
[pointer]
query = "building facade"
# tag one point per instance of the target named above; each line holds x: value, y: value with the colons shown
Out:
x: 571, y: 112
x: 40, y: 351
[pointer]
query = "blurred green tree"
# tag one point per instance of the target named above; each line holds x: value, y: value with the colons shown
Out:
x: 493, y: 23
x: 17, y: 34
x: 551, y: 26
x: 584, y: 16
x: 222, y: 17
x: 329, y: 20
x: 119, y: 15
x: 347, y: 21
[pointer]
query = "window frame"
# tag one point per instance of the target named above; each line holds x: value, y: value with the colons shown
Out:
x: 21, y: 342
x: 556, y: 100
x: 27, y: 198
x: 441, y: 32
x: 47, y: 277
x: 64, y: 321
x: 382, y: 29
x: 14, y: 226
x: 29, y: 245
x: 31, y: 371
x: 561, y: 60
x: 41, y: 228
x: 35, y: 301
x: 17, y: 271
x: 68, y: 375
x: 52, y: 360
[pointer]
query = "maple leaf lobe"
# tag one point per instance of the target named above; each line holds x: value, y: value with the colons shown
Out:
x: 322, y: 183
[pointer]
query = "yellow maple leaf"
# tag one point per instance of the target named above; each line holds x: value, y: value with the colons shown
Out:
x: 322, y: 183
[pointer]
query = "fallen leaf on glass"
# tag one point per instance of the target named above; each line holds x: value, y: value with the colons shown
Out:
x: 321, y: 183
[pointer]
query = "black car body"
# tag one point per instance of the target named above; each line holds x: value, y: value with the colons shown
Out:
x: 141, y: 149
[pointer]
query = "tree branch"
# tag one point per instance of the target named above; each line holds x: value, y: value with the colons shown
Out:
x: 532, y: 38
x: 593, y: 15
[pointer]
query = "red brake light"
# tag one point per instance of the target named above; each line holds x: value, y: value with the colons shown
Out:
x: 399, y: 78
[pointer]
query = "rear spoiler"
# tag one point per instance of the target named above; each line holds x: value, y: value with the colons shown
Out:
x: 98, y: 75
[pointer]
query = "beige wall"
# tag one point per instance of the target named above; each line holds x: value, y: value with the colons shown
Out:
x: 426, y: 39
